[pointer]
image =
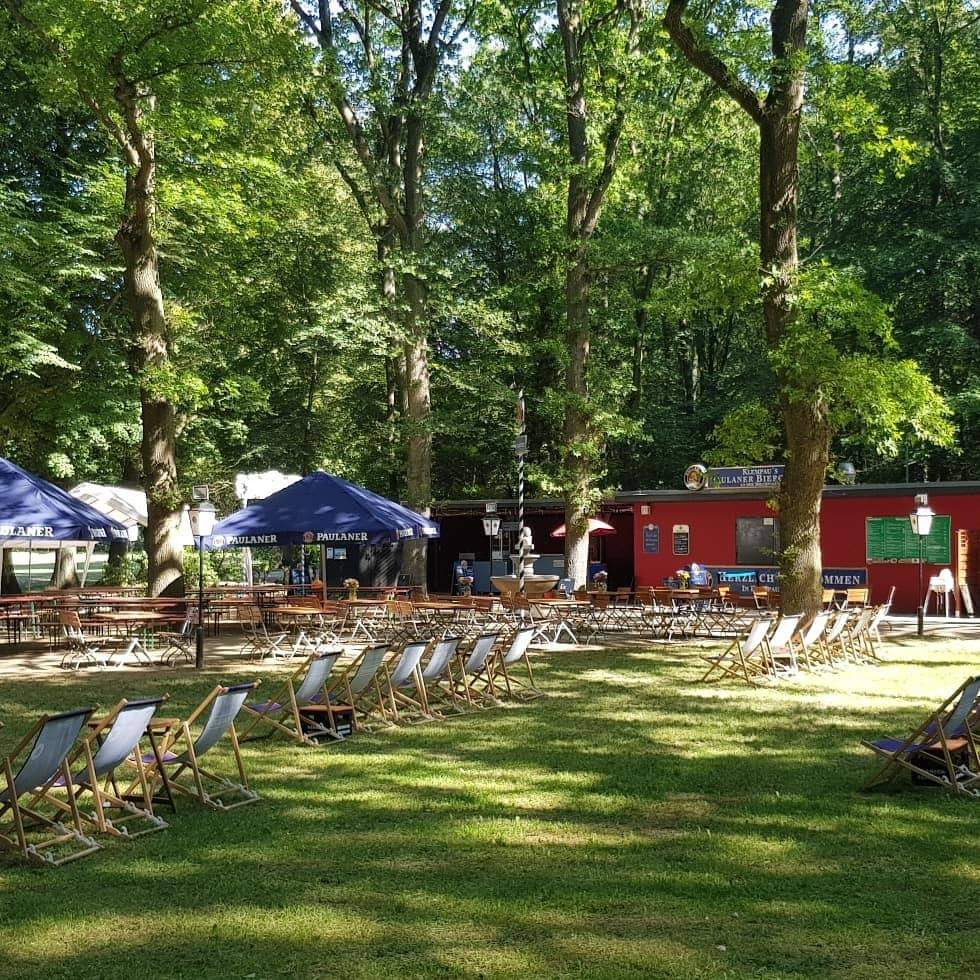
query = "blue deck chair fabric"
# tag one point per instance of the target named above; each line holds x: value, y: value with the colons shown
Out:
x: 28, y: 827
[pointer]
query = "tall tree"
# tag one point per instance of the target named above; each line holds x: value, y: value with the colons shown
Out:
x: 381, y: 63
x: 121, y: 61
x: 588, y: 137
x: 805, y: 423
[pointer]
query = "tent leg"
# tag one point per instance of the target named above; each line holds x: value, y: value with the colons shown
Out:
x: 89, y: 548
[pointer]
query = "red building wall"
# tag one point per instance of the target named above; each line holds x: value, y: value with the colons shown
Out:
x: 712, y: 516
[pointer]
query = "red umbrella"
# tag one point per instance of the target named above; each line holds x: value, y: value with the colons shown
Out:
x: 596, y: 527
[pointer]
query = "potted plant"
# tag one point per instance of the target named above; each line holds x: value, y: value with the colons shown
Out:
x: 600, y: 581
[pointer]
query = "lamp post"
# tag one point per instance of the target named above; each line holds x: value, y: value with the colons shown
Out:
x: 202, y: 516
x: 921, y: 521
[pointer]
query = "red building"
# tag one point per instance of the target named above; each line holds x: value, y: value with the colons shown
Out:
x: 865, y: 536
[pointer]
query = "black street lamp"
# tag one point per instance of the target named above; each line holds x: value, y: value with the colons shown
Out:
x: 921, y: 521
x: 202, y: 518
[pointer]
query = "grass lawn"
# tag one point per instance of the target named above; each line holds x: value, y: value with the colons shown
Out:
x: 634, y: 823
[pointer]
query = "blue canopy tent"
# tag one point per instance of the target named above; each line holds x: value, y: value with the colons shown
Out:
x: 37, y: 514
x: 321, y: 509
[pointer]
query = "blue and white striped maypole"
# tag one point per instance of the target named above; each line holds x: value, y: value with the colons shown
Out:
x: 520, y: 447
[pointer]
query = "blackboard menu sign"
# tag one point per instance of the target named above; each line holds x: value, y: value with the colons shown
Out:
x: 651, y: 539
x: 682, y: 539
x: 892, y: 539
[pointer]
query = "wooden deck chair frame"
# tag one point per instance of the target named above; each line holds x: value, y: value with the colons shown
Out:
x: 437, y: 676
x: 360, y: 688
x: 507, y: 659
x: 110, y: 742
x: 744, y: 658
x: 780, y: 647
x: 225, y: 794
x: 401, y: 674
x: 475, y: 682
x: 283, y: 711
x: 808, y: 639
x: 41, y: 759
x: 953, y: 728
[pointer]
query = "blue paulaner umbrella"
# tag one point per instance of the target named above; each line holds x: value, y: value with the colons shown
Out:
x: 321, y: 509
x: 37, y: 514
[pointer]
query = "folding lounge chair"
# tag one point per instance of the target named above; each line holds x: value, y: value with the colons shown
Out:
x: 808, y: 640
x: 23, y: 827
x: 832, y: 644
x: 508, y: 659
x: 475, y: 684
x: 360, y: 688
x: 942, y: 750
x: 113, y: 741
x: 296, y: 708
x: 223, y: 705
x: 744, y: 658
x: 402, y: 679
x: 437, y: 677
x: 780, y: 651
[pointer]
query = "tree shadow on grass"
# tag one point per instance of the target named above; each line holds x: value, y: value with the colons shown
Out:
x: 632, y: 824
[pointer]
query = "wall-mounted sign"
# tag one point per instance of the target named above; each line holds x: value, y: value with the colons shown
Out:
x: 651, y: 539
x: 697, y: 477
x: 491, y: 506
x: 682, y: 539
x: 694, y: 476
x: 742, y: 580
x: 892, y: 539
x: 744, y: 477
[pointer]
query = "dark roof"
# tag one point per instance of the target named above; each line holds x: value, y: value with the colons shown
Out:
x: 625, y: 498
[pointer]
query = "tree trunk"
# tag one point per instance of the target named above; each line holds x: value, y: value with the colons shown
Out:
x: 807, y: 457
x: 418, y: 469
x: 577, y: 435
x: 804, y: 421
x: 8, y: 577
x: 158, y: 447
x: 64, y: 575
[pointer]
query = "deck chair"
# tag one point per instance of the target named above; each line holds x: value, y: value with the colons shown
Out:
x: 855, y: 636
x: 808, y: 640
x: 40, y: 758
x: 113, y: 741
x: 295, y: 709
x: 475, y: 683
x: 258, y: 640
x: 437, y: 676
x: 872, y: 636
x: 942, y: 750
x: 780, y: 648
x: 183, y: 752
x: 402, y: 686
x: 359, y: 689
x: 744, y: 658
x: 833, y: 646
x: 507, y: 660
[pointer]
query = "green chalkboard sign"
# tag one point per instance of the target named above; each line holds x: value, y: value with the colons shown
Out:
x: 892, y: 539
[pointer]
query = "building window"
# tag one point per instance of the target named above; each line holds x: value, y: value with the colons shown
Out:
x: 756, y: 541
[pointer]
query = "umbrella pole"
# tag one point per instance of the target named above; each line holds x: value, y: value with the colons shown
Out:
x: 30, y: 555
x: 89, y: 548
x: 323, y: 572
x: 2, y: 549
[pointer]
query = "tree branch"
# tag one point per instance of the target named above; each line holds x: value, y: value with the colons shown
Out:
x: 699, y: 53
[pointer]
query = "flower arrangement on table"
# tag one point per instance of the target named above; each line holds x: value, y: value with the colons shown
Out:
x: 351, y: 585
x: 600, y: 581
x: 684, y: 577
x: 465, y: 583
